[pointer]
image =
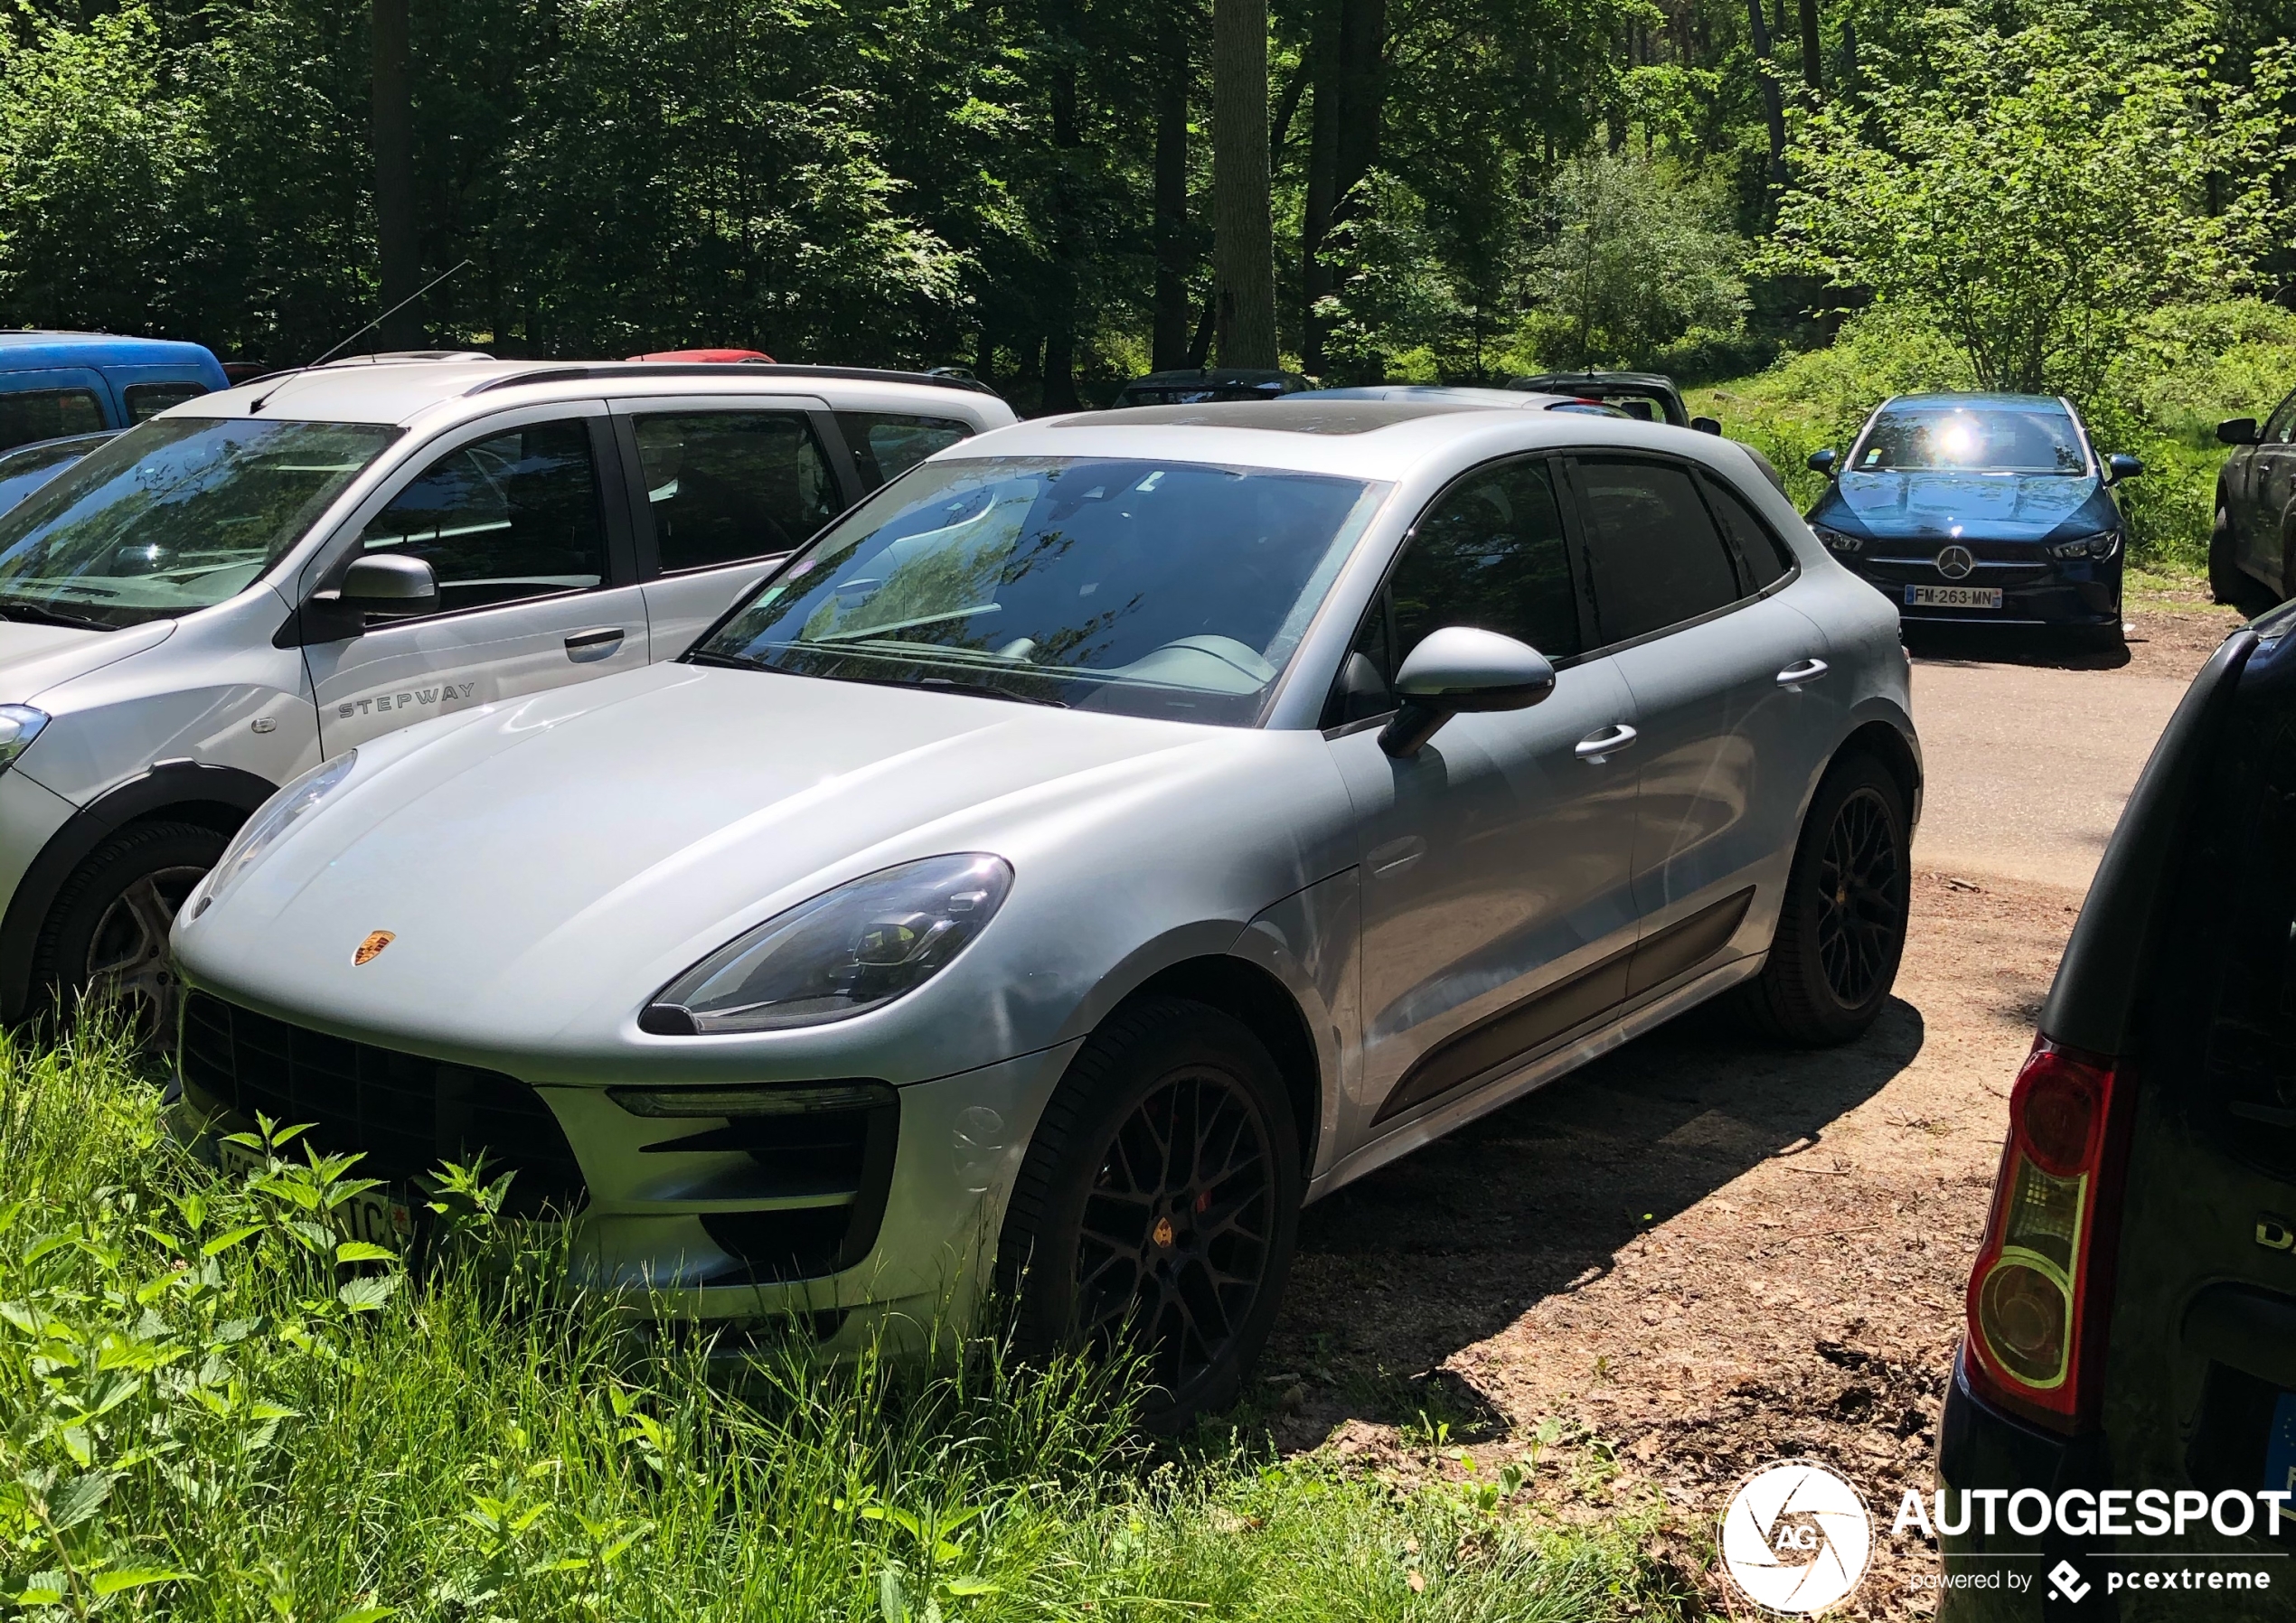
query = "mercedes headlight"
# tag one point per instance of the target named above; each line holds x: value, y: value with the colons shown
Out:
x: 2105, y: 544
x: 19, y: 726
x: 1836, y: 540
x: 273, y: 819
x: 844, y: 953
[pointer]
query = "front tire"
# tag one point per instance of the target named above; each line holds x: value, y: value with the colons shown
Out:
x: 1841, y: 926
x: 1158, y: 1206
x: 2225, y: 582
x: 106, y: 939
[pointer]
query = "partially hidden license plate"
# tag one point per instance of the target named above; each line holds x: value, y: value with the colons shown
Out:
x: 379, y: 1216
x: 1980, y: 597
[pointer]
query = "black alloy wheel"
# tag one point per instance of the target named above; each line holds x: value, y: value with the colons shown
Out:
x: 1861, y: 911
x: 1841, y: 922
x: 1156, y: 1209
x: 105, y: 945
x: 1179, y: 1228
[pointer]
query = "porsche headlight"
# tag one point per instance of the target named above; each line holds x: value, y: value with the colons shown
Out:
x: 273, y: 819
x: 844, y: 953
x: 19, y: 726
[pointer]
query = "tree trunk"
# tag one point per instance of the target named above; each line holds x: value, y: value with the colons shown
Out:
x: 1243, y: 234
x: 398, y: 250
x: 1773, y: 105
x: 1061, y: 334
x: 1168, y: 346
x: 1322, y: 179
x: 1813, y: 47
x: 1363, y: 44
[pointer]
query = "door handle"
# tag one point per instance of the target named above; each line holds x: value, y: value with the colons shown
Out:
x: 1598, y: 746
x: 584, y: 647
x: 1808, y: 671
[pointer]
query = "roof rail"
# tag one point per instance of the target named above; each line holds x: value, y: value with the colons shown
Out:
x: 575, y: 372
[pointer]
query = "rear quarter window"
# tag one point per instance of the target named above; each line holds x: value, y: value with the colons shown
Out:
x: 30, y: 414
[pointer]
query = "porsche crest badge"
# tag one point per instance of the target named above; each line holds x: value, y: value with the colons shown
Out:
x: 371, y: 948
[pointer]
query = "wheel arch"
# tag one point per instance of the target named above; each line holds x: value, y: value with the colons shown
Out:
x: 216, y: 797
x: 1265, y: 1006
x: 1887, y: 743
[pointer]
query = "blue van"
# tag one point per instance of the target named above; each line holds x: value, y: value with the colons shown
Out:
x: 53, y: 384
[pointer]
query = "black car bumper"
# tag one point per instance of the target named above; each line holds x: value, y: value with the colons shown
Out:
x: 2002, y: 1577
x: 2083, y: 593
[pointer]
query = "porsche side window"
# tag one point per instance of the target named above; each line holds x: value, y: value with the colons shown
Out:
x: 2282, y: 426
x: 726, y: 485
x: 503, y: 520
x: 1489, y: 554
x: 1656, y: 557
x: 1761, y: 558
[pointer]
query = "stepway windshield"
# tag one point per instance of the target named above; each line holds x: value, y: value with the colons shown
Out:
x: 174, y: 515
x: 2038, y: 438
x: 1147, y: 588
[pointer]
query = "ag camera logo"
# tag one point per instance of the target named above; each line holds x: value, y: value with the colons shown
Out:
x: 1796, y: 1538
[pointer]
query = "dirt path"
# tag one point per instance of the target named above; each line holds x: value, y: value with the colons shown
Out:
x: 1700, y: 1253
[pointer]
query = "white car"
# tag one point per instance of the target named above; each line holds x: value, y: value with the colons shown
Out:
x: 210, y: 604
x: 1117, y: 832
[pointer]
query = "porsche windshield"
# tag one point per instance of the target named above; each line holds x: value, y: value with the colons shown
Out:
x: 2038, y: 438
x: 1149, y: 588
x: 174, y: 515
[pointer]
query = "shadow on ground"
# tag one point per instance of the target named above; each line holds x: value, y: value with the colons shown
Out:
x: 1439, y: 1251
x: 2015, y: 645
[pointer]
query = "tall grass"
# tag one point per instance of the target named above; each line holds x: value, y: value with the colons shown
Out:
x: 211, y: 1406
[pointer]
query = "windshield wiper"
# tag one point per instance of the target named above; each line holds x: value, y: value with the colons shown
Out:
x: 950, y: 685
x: 33, y: 614
x: 724, y: 662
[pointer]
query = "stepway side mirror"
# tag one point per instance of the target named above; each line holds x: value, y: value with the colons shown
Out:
x: 2121, y: 466
x: 2237, y: 431
x: 1460, y: 668
x: 1822, y: 462
x: 1706, y: 425
x: 386, y: 584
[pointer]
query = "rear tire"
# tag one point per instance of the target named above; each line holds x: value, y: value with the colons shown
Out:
x: 2225, y: 582
x: 106, y: 939
x: 1158, y: 1206
x: 1841, y: 926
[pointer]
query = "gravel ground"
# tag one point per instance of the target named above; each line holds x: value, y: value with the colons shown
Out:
x: 1700, y: 1253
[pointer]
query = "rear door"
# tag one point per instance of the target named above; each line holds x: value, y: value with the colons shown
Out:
x: 2200, y: 1386
x: 512, y: 516
x: 2272, y: 485
x: 1727, y: 681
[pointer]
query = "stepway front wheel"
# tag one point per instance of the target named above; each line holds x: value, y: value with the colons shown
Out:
x: 1158, y: 1206
x: 1841, y: 926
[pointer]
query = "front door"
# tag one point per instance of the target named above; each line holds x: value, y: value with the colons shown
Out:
x: 1495, y: 862
x: 1729, y: 741
x: 511, y: 522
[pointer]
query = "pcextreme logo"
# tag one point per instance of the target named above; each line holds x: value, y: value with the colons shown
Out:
x: 1796, y: 1538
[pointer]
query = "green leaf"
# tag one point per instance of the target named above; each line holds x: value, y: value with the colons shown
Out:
x: 964, y: 1589
x: 78, y: 1499
x: 367, y: 1296
x: 229, y: 1238
x: 132, y: 1578
x: 44, y: 1589
x: 367, y: 1614
x: 359, y: 1251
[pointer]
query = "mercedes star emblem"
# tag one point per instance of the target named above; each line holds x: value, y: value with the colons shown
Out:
x: 1955, y: 563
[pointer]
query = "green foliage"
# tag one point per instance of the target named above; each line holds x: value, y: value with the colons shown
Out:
x: 1642, y: 255
x: 2028, y: 190
x: 214, y: 1404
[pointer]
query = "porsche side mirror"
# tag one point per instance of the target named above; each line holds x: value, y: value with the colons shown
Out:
x: 1822, y: 462
x: 2237, y: 431
x: 2121, y: 466
x: 1706, y: 425
x: 1460, y: 668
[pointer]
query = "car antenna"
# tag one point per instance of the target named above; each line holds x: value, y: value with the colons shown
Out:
x: 257, y: 405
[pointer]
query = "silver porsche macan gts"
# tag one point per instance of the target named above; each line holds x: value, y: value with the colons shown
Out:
x: 1117, y: 832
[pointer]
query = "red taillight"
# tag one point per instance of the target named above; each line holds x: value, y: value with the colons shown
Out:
x: 2039, y: 1297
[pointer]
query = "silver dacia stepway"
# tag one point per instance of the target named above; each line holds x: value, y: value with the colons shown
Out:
x: 270, y: 575
x: 1115, y: 832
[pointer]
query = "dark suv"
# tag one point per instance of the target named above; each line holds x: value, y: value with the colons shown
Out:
x: 2131, y: 1357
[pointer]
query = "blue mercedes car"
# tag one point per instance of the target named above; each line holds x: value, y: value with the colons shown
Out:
x: 1981, y: 509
